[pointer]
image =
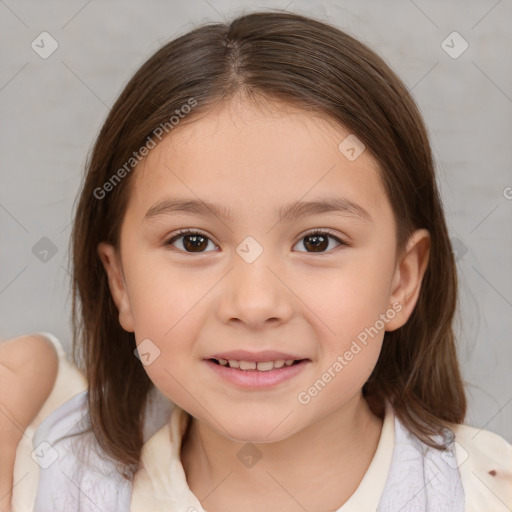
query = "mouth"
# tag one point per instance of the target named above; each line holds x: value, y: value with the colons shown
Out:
x: 256, y: 366
x: 263, y: 374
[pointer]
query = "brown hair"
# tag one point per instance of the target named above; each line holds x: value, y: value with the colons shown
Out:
x: 318, y: 68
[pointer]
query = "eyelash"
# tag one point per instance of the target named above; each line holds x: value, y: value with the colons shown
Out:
x: 316, y: 232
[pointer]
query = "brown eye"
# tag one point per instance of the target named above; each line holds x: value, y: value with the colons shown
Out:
x: 318, y: 241
x: 191, y: 241
x: 195, y: 242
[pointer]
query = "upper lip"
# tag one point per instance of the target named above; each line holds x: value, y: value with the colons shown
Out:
x: 257, y: 357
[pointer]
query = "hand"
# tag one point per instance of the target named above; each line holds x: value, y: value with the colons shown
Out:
x: 28, y: 370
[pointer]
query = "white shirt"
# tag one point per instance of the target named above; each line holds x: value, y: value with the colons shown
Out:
x: 404, y: 474
x: 152, y: 487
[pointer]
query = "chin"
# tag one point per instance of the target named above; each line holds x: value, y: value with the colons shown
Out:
x: 255, y: 437
x: 251, y: 430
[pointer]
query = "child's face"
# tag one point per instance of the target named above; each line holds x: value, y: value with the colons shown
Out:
x: 330, y: 307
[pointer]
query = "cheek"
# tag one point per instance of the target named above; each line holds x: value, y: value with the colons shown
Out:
x: 161, y: 294
x: 166, y: 310
x: 349, y: 317
x: 170, y: 318
x: 347, y: 299
x: 342, y: 378
x: 348, y: 303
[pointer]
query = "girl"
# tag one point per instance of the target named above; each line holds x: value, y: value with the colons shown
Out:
x: 264, y: 292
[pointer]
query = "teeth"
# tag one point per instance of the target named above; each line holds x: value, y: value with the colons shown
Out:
x: 265, y: 366
x: 262, y: 366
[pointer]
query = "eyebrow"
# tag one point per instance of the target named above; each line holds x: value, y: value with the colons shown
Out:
x: 291, y: 211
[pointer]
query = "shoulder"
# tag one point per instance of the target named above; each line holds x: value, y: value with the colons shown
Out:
x: 484, y: 461
x: 50, y: 472
x: 73, y: 474
x: 28, y: 368
x: 38, y: 451
x: 69, y: 381
x: 17, y: 351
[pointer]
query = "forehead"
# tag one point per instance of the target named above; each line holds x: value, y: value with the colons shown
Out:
x: 255, y: 158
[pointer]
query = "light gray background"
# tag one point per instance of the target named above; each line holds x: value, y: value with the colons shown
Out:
x: 52, y: 109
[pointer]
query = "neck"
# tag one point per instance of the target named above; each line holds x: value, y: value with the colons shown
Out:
x: 322, y: 464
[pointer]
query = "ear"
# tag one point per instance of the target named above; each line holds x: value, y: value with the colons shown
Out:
x: 409, y: 272
x: 112, y: 265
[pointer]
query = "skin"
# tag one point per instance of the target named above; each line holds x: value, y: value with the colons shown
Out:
x: 313, y: 304
x: 28, y: 369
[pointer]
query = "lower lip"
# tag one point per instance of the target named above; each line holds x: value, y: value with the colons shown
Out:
x: 254, y: 379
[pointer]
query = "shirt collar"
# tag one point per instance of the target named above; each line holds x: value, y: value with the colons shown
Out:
x: 161, y: 480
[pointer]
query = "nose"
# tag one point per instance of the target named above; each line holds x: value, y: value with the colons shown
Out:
x: 255, y: 294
